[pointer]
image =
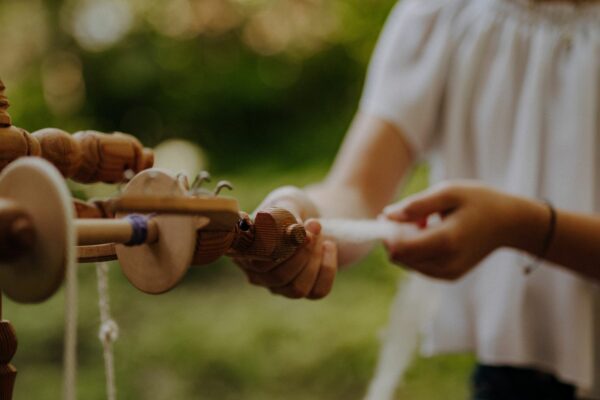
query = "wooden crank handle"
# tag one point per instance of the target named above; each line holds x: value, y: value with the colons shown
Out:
x: 275, y: 235
x: 17, y: 232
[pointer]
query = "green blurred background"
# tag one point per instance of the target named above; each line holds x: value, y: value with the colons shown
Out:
x: 267, y: 89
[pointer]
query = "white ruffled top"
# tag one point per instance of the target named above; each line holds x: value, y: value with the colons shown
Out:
x: 508, y: 92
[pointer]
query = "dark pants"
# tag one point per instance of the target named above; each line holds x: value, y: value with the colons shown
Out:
x: 508, y: 383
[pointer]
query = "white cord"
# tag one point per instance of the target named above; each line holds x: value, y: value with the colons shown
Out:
x: 109, y: 330
x: 70, y: 346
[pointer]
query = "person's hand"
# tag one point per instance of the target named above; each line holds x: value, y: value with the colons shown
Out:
x: 311, y: 271
x: 475, y: 221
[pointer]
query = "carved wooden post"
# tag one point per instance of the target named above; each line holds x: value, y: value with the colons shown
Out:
x: 8, y: 348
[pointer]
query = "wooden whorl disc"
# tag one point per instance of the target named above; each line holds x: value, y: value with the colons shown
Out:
x: 158, y: 267
x: 37, y: 186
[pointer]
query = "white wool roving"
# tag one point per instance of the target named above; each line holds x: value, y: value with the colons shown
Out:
x: 349, y: 231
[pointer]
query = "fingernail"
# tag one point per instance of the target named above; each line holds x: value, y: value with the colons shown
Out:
x: 313, y: 226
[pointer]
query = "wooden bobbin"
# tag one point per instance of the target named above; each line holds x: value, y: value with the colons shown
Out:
x: 37, y: 215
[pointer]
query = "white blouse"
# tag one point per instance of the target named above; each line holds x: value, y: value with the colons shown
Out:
x: 508, y: 92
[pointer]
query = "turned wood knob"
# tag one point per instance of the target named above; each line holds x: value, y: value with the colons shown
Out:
x: 274, y: 236
x: 61, y: 149
x: 106, y: 157
x: 14, y: 143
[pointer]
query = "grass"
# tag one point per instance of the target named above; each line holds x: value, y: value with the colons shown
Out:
x: 216, y: 337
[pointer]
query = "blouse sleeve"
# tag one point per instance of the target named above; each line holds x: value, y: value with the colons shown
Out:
x: 407, y: 74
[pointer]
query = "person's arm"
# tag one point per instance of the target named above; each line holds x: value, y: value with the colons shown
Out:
x: 476, y: 220
x: 373, y: 159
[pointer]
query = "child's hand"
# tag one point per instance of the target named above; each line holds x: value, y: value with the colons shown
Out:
x: 310, y: 272
x: 475, y: 221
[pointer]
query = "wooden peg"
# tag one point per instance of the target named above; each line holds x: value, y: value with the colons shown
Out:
x: 106, y: 157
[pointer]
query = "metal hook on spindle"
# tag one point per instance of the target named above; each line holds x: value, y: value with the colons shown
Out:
x: 222, y: 185
x: 203, y: 176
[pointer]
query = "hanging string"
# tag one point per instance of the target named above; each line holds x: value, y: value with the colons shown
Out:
x: 70, y: 346
x: 109, y: 330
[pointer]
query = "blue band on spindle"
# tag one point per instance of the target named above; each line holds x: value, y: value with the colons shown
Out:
x: 139, y: 229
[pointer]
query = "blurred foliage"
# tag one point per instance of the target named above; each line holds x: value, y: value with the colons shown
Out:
x: 249, y: 80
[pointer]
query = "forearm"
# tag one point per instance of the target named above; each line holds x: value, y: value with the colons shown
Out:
x: 575, y: 243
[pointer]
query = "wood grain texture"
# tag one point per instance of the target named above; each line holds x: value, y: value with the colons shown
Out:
x: 14, y: 143
x: 274, y: 236
x: 107, y: 157
x: 96, y: 253
x: 158, y: 267
x: 61, y: 149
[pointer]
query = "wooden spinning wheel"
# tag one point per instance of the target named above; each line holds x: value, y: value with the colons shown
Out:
x: 156, y: 228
